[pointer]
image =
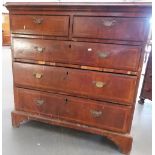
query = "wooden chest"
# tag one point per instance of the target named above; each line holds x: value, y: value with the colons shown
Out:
x: 78, y: 65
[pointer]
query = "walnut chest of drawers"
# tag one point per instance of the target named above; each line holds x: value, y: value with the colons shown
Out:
x: 78, y: 65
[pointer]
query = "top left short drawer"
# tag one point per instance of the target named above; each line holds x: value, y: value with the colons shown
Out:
x: 54, y: 25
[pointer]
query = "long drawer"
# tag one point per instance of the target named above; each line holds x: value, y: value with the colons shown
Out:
x: 80, y: 53
x: 110, y: 28
x: 55, y: 25
x: 96, y: 85
x: 88, y: 112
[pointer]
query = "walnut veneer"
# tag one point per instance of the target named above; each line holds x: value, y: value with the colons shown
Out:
x: 78, y: 65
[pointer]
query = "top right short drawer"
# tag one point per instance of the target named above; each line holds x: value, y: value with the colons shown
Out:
x: 115, y: 28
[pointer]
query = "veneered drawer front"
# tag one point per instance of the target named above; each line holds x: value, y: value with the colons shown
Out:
x: 96, y: 85
x: 110, y: 28
x: 41, y: 25
x: 88, y: 112
x: 80, y: 53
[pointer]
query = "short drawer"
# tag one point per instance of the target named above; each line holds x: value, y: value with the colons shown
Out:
x: 110, y: 28
x: 96, y: 85
x: 40, y: 24
x: 81, y: 53
x: 83, y: 111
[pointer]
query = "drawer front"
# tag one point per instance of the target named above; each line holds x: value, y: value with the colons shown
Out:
x: 110, y: 28
x: 80, y: 53
x: 91, y: 113
x: 41, y: 25
x: 96, y: 85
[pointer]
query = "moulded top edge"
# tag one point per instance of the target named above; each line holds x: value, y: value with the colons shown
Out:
x: 50, y: 4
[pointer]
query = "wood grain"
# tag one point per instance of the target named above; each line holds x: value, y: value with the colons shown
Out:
x: 78, y: 53
x: 38, y: 24
x: 78, y: 65
x: 77, y: 82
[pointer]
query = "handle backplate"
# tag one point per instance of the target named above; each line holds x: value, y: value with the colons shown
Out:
x: 96, y: 113
x: 103, y: 54
x: 99, y: 84
x: 40, y: 102
x: 39, y: 49
x: 37, y: 20
x: 109, y: 22
x: 38, y: 75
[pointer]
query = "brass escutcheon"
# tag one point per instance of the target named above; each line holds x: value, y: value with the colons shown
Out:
x: 99, y: 84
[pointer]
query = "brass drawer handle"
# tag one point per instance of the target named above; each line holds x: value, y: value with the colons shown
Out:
x: 89, y: 49
x: 40, y: 102
x: 37, y: 20
x: 103, y: 54
x: 109, y: 22
x: 39, y: 49
x: 38, y: 75
x: 99, y: 84
x: 96, y: 113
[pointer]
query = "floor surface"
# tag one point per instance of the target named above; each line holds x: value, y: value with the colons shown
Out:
x: 34, y: 138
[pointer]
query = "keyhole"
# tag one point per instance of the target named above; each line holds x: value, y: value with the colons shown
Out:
x: 70, y: 46
x: 65, y: 76
x: 66, y: 100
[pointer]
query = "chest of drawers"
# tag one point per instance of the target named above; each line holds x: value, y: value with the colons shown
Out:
x: 78, y: 65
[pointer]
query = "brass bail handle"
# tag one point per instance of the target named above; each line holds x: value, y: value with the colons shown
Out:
x: 96, y: 113
x: 109, y: 22
x: 38, y: 75
x: 40, y: 102
x: 103, y: 54
x: 38, y: 20
x: 99, y: 84
x: 39, y: 49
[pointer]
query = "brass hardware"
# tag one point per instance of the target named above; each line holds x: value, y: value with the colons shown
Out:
x: 109, y: 22
x: 103, y: 54
x: 96, y: 113
x: 99, y: 84
x: 52, y: 63
x: 41, y: 62
x: 40, y: 102
x: 38, y: 75
x: 37, y: 20
x: 39, y: 49
x: 89, y: 49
